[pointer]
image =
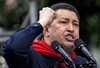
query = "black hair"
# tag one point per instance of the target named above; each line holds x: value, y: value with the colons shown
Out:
x: 67, y: 6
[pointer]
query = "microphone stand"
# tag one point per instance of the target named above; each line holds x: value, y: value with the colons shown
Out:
x: 91, y: 63
x: 70, y: 63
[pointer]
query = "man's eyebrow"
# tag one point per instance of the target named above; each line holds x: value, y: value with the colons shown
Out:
x: 76, y: 20
x: 65, y: 18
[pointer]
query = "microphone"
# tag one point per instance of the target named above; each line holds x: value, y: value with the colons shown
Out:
x: 81, y: 45
x: 58, y: 48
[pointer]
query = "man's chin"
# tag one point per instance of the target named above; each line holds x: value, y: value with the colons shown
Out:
x: 69, y: 43
x: 70, y: 47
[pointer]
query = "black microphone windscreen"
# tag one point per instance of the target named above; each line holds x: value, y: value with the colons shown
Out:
x: 78, y: 42
x: 55, y: 45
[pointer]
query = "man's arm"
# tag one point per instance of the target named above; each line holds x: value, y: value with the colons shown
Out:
x: 16, y: 49
x: 23, y: 38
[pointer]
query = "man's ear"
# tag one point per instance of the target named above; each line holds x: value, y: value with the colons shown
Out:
x: 46, y: 31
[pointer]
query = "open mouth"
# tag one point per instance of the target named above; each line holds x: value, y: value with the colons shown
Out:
x: 69, y: 37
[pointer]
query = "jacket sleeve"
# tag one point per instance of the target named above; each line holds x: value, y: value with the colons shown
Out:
x: 17, y: 48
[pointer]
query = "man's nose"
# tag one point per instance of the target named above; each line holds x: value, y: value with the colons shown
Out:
x: 70, y: 27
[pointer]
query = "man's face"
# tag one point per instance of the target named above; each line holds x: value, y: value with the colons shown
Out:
x: 64, y: 28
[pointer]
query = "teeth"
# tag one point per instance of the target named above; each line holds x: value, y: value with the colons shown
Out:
x: 69, y: 37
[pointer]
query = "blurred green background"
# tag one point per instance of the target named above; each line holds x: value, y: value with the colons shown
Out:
x: 15, y: 14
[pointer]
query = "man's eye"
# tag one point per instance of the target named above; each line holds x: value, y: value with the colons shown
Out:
x: 64, y: 22
x: 76, y: 24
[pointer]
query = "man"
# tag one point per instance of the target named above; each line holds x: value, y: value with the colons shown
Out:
x: 60, y: 22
